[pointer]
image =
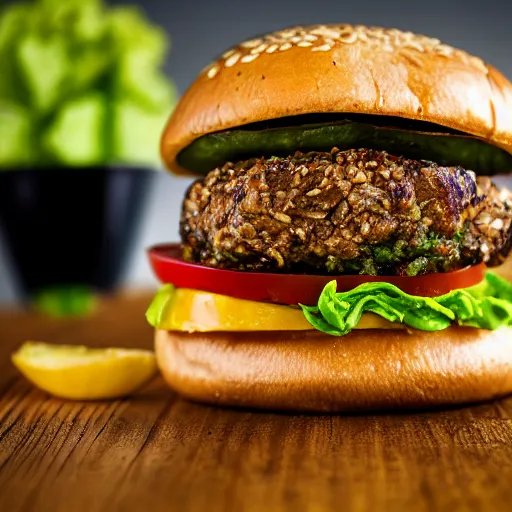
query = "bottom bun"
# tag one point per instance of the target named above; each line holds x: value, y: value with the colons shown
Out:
x: 505, y: 269
x: 312, y: 371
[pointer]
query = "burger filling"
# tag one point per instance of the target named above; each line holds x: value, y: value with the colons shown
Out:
x: 487, y: 305
x: 339, y: 211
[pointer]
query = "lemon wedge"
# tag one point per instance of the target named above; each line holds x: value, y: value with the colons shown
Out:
x: 82, y: 373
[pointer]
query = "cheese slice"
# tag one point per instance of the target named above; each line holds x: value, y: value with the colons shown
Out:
x: 199, y: 311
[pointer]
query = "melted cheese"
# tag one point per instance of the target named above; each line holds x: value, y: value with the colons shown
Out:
x: 198, y: 311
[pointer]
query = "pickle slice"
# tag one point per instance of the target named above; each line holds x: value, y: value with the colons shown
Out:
x: 450, y: 149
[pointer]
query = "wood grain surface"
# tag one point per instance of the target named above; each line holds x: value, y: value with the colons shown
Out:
x: 157, y: 452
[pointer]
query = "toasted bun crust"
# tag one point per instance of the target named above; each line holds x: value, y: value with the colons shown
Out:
x: 340, y: 68
x: 312, y: 371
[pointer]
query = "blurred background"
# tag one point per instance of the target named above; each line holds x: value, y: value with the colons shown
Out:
x: 156, y: 50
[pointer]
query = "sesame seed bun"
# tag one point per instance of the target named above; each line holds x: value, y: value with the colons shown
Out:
x: 364, y: 370
x: 345, y: 69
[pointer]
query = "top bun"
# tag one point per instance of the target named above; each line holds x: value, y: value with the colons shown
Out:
x: 345, y: 69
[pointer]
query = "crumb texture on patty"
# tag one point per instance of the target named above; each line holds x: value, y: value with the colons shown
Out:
x: 356, y: 211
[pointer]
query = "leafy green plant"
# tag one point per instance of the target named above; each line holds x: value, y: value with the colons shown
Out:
x: 80, y: 84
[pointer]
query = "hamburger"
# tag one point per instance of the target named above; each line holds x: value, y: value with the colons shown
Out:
x: 341, y: 248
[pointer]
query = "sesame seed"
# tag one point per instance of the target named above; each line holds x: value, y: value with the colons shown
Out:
x: 272, y: 48
x: 285, y: 46
x: 376, y: 33
x: 310, y: 37
x: 252, y: 43
x: 259, y: 49
x: 305, y: 44
x: 286, y: 34
x: 314, y: 192
x: 232, y: 60
x: 319, y: 31
x: 295, y: 39
x: 394, y: 32
x: 414, y: 45
x: 227, y: 54
x: 362, y: 36
x: 349, y: 38
x: 212, y: 71
x: 323, y: 48
x: 248, y: 58
x: 324, y: 31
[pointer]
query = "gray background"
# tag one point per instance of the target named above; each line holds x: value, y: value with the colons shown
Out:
x: 201, y: 30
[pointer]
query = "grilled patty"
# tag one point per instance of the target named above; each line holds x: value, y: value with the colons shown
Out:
x: 357, y: 211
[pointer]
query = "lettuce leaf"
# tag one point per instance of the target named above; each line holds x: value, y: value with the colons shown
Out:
x: 161, y: 305
x: 487, y: 305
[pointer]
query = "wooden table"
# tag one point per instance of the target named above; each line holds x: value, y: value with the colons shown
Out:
x: 157, y: 452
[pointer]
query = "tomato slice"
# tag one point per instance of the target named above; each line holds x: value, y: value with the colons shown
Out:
x: 169, y: 267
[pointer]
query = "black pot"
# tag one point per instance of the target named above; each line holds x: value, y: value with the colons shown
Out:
x: 72, y: 226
